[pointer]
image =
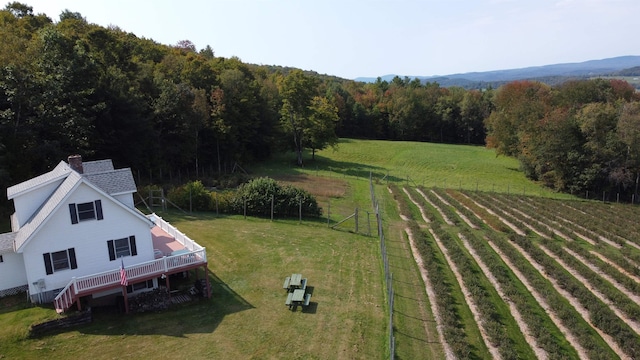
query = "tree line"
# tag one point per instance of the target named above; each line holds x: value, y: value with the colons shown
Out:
x: 173, y: 112
x: 576, y: 137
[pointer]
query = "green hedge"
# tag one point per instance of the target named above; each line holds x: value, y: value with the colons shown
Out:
x: 258, y: 193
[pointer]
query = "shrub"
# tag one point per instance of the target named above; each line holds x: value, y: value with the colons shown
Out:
x: 192, y: 193
x: 286, y: 199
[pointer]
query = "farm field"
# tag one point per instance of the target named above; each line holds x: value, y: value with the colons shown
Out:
x: 540, y: 277
x: 495, y: 273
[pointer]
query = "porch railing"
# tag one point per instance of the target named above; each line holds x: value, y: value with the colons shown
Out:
x: 103, y: 280
x: 175, y: 233
x: 85, y: 284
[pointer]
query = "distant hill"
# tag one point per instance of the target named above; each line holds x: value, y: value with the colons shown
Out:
x: 552, y: 74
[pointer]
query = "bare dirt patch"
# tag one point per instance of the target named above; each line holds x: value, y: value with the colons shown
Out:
x: 321, y: 187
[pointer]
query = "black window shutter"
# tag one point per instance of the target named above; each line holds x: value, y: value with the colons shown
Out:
x: 112, y: 250
x: 73, y: 213
x: 72, y: 258
x: 132, y: 245
x: 98, y: 209
x: 129, y: 289
x: 47, y: 263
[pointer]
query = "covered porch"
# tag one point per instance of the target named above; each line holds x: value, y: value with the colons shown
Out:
x: 175, y: 253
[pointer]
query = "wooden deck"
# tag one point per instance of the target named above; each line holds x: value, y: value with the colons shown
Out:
x: 166, y: 239
x: 164, y: 242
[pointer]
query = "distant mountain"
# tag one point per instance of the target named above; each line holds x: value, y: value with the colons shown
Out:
x: 548, y: 73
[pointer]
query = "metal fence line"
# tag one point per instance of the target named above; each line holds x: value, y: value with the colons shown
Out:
x: 388, y: 276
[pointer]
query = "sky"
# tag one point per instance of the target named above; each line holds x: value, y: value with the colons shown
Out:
x: 358, y: 38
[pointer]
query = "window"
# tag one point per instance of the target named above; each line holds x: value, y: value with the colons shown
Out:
x: 1, y: 259
x: 122, y: 247
x: 139, y: 286
x: 60, y: 260
x: 86, y: 211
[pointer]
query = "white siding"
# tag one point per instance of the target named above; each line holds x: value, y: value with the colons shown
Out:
x: 88, y: 238
x: 31, y: 201
x: 126, y: 199
x: 12, y: 271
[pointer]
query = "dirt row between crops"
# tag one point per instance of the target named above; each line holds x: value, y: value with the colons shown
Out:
x: 505, y: 221
x: 524, y: 328
x: 430, y: 294
x: 582, y: 353
x: 444, y: 217
x: 465, y: 292
x: 424, y: 216
x: 616, y: 266
x: 526, y: 216
x: 633, y: 324
x: 573, y: 301
x: 461, y: 215
x: 605, y: 239
x: 467, y: 297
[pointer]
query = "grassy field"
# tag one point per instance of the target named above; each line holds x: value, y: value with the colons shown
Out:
x: 426, y: 164
x: 249, y: 258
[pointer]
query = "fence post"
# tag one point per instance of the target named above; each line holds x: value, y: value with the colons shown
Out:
x: 356, y: 215
x: 245, y: 208
x: 300, y: 212
x: 272, y: 199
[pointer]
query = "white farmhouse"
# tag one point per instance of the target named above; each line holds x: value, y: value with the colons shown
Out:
x: 76, y: 226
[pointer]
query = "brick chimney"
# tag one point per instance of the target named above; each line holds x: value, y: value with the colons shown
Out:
x: 75, y: 162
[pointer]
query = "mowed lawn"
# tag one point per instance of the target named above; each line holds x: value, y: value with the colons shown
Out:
x: 249, y: 258
x: 426, y: 164
x: 246, y: 317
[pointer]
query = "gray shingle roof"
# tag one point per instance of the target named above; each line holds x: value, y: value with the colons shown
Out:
x: 47, y: 208
x: 99, y: 174
x: 113, y: 182
x: 58, y: 173
x: 6, y: 242
x: 98, y: 166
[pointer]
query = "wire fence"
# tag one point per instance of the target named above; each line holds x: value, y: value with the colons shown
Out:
x: 388, y: 276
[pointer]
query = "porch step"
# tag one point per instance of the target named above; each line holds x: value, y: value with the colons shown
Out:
x: 180, y: 298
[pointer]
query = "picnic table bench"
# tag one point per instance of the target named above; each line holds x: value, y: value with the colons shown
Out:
x: 295, y: 281
x: 296, y: 287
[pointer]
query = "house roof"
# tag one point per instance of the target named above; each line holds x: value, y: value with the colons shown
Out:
x: 6, y: 242
x: 99, y: 175
x: 58, y: 173
x: 98, y: 166
x: 41, y: 215
x: 113, y: 182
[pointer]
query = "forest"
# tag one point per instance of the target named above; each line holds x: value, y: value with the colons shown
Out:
x: 172, y: 113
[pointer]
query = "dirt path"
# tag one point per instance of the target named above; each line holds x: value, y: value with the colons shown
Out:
x: 632, y: 324
x: 444, y: 217
x: 529, y: 218
x: 582, y: 353
x: 505, y: 221
x: 424, y: 216
x: 604, y: 258
x: 461, y: 215
x: 467, y: 297
x: 524, y: 329
x: 573, y: 301
x: 430, y: 294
